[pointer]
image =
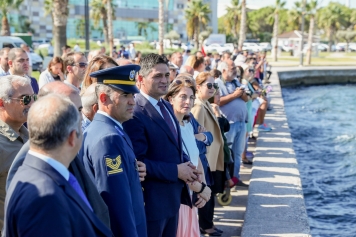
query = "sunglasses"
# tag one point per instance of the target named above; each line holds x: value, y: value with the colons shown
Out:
x: 251, y: 70
x: 211, y: 85
x: 26, y: 99
x: 178, y: 82
x: 80, y: 65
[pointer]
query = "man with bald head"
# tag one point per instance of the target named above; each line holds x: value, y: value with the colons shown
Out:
x: 123, y: 61
x: 44, y: 198
x: 76, y: 167
x: 90, y: 105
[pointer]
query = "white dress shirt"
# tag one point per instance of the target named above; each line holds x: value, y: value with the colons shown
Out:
x: 154, y: 103
x: 3, y: 73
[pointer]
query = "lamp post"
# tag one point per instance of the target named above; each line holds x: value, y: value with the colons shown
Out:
x: 86, y: 17
x: 302, y: 39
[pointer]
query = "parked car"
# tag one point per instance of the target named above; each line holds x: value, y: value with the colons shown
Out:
x: 251, y: 47
x: 229, y: 47
x: 215, y: 47
x: 36, y: 43
x: 265, y: 46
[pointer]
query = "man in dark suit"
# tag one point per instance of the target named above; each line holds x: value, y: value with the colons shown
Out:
x: 156, y: 138
x: 44, y: 198
x: 108, y: 154
x: 76, y: 167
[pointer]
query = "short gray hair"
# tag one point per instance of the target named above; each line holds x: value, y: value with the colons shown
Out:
x: 7, y: 86
x: 88, y: 100
x: 223, y: 66
x: 101, y: 88
x: 61, y: 118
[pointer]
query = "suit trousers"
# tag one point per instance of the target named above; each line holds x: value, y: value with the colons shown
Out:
x: 206, y: 214
x: 163, y: 228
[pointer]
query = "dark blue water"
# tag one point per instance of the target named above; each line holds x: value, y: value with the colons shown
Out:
x: 322, y: 120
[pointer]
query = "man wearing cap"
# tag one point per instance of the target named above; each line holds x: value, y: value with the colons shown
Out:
x: 108, y: 154
x: 172, y: 72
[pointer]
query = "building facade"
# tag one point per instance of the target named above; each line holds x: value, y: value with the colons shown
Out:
x: 132, y: 18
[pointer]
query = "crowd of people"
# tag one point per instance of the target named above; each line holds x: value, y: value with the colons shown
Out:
x: 127, y: 145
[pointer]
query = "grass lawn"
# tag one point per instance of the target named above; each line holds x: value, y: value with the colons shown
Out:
x: 36, y: 74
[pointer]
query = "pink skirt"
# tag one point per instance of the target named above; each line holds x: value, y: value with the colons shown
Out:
x: 188, y: 225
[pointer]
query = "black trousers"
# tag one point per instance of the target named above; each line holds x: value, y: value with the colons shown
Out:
x: 206, y: 213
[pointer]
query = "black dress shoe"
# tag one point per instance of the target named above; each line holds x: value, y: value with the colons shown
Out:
x: 209, y: 234
x: 218, y: 230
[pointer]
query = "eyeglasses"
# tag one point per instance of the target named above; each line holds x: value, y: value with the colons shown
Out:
x: 211, y: 85
x: 26, y: 99
x: 80, y: 65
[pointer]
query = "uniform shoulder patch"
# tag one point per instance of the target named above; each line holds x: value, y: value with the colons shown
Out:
x: 113, y: 165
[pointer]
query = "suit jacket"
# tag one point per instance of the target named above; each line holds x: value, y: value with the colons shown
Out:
x: 110, y: 161
x: 40, y: 202
x: 77, y: 169
x: 204, y: 114
x: 155, y: 145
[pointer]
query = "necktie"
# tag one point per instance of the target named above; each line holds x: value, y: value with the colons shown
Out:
x: 168, y: 119
x: 74, y: 183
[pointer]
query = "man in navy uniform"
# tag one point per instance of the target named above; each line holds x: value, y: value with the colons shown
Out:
x: 44, y: 198
x: 108, y: 154
x: 156, y: 136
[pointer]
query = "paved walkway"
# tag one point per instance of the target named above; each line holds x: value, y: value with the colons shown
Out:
x: 230, y: 218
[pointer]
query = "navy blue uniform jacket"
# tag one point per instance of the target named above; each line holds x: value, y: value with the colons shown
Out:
x: 40, y: 202
x: 155, y: 145
x: 110, y: 162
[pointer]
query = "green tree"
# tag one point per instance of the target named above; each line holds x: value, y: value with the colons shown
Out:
x: 5, y: 7
x: 143, y: 28
x: 197, y: 15
x: 332, y: 18
x: 80, y: 28
x: 279, y: 5
x: 98, y: 12
x: 232, y: 18
x: 257, y: 24
x: 347, y: 36
x: 172, y: 35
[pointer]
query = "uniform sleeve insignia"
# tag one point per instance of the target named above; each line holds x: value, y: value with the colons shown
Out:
x: 113, y: 165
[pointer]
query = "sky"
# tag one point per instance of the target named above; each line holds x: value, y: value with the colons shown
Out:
x: 263, y: 3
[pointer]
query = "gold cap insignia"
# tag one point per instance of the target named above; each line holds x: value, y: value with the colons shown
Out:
x: 132, y: 75
x: 113, y: 165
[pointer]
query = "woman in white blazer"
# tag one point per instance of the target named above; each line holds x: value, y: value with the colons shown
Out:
x: 54, y: 72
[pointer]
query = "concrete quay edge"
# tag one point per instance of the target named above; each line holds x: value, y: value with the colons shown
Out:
x: 276, y: 204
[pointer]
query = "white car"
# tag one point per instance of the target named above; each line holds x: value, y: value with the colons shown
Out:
x: 229, y: 47
x: 265, y: 46
x: 215, y: 47
x: 251, y: 47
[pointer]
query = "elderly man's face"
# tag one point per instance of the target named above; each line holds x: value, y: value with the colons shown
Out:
x: 20, y: 65
x: 16, y: 110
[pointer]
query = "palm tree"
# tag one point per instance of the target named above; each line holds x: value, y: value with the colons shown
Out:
x: 311, y: 10
x: 98, y: 12
x: 59, y: 11
x: 110, y: 27
x: 142, y: 28
x: 160, y: 25
x: 243, y: 24
x: 279, y: 5
x: 197, y: 15
x: 5, y: 7
x: 295, y: 16
x: 232, y: 18
x: 331, y: 19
